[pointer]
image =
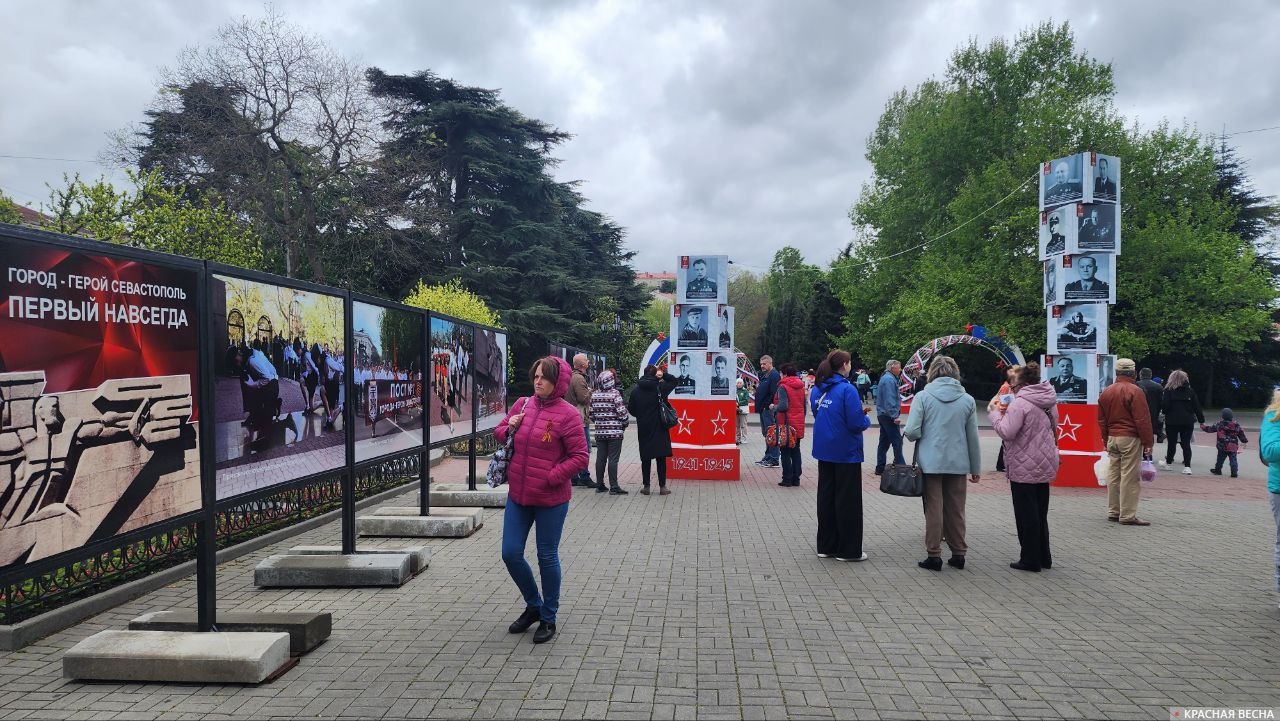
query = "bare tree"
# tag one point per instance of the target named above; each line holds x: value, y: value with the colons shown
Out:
x: 275, y: 121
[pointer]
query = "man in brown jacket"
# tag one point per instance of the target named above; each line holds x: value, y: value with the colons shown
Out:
x: 580, y: 396
x: 1125, y: 422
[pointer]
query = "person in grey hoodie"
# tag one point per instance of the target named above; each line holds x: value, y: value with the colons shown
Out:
x: 944, y: 425
x: 1029, y: 429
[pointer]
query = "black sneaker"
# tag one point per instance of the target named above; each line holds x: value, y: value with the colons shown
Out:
x: 617, y: 491
x: 522, y: 624
x: 546, y: 632
x: 879, y: 470
x: 1216, y: 471
x: 601, y: 488
x: 933, y: 563
x: 1020, y: 566
x: 956, y: 561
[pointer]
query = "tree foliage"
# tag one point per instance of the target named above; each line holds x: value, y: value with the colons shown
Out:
x: 154, y: 216
x: 948, y: 224
x: 9, y: 210
x: 451, y: 298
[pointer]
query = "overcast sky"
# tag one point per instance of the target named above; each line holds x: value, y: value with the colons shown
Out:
x: 715, y: 127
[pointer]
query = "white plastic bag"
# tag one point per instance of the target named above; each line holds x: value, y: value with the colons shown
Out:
x: 1101, y: 469
x: 1147, y: 470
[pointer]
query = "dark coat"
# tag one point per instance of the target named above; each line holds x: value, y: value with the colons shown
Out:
x: 653, y: 438
x: 1181, y: 407
x: 1154, y: 392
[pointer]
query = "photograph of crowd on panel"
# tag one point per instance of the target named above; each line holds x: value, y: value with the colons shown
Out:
x: 1078, y: 327
x: 490, y: 377
x: 452, y: 349
x: 387, y: 345
x: 703, y: 280
x: 280, y: 384
x: 98, y: 394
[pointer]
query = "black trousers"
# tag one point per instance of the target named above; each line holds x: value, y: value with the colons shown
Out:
x: 840, y: 509
x: 662, y: 471
x: 1179, y: 435
x: 1031, y: 513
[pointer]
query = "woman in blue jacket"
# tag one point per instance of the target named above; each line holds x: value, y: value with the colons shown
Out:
x: 839, y: 418
x: 1269, y: 447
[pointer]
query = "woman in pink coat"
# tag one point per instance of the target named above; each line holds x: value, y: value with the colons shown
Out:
x: 549, y: 449
x: 1029, y: 428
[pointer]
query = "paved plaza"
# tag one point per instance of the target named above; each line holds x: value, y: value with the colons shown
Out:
x: 711, y: 604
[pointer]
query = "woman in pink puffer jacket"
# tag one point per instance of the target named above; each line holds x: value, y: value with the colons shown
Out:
x: 1029, y: 428
x: 549, y: 449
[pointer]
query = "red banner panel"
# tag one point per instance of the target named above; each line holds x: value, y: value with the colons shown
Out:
x: 98, y: 387
x: 704, y: 423
x: 1079, y: 443
x: 705, y: 464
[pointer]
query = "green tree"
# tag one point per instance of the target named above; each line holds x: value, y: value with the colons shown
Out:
x: 516, y: 237
x: 154, y: 216
x: 9, y: 210
x: 787, y: 331
x: 749, y: 296
x: 451, y: 298
x: 948, y: 224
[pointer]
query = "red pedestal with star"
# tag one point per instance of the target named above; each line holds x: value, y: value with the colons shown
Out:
x: 702, y: 444
x: 1079, y: 444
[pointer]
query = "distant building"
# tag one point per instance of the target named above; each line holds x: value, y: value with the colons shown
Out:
x: 655, y: 282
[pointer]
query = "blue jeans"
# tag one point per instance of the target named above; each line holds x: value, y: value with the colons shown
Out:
x: 516, y: 523
x: 791, y: 465
x: 890, y: 434
x: 766, y: 419
x: 1225, y: 455
x: 585, y: 474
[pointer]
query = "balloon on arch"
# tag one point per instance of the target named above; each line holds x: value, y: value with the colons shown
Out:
x: 657, y: 352
x: 1007, y: 353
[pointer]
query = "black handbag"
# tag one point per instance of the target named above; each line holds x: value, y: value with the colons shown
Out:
x: 666, y: 414
x: 903, y: 480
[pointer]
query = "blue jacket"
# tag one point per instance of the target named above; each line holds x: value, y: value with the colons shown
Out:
x: 888, y: 397
x: 765, y: 390
x: 944, y: 419
x: 838, y: 421
x: 1269, y: 449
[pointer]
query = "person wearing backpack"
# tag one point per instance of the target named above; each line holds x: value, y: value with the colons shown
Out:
x: 1029, y: 428
x: 654, y: 439
x: 610, y: 417
x: 840, y: 415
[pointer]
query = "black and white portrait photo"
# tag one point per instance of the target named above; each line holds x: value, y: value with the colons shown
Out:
x: 724, y: 369
x: 1106, y: 373
x: 725, y: 337
x: 702, y: 278
x: 1069, y: 376
x: 1090, y: 277
x: 1106, y: 178
x: 1062, y: 181
x: 1078, y: 327
x: 1057, y: 231
x: 1052, y: 288
x: 1098, y: 229
x: 686, y: 373
x: 689, y: 325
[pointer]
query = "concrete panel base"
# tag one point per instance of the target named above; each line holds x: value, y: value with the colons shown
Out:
x: 475, y: 514
x: 415, y: 526
x: 333, y: 571
x: 306, y: 630
x: 456, y: 494
x: 177, y: 657
x: 419, y: 556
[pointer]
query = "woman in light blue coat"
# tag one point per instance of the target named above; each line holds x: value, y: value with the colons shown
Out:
x: 1269, y: 448
x: 944, y: 425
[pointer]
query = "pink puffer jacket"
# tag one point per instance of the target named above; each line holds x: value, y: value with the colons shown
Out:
x: 549, y: 447
x: 1030, y: 431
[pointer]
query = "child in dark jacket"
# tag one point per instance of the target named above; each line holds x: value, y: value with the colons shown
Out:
x: 1230, y: 436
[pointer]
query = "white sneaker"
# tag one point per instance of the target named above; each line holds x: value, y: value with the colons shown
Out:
x: 1164, y: 465
x: 863, y: 557
x: 1186, y: 470
x: 824, y: 555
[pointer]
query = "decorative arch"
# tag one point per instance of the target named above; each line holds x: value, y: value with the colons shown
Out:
x: 975, y: 335
x: 235, y: 327
x: 264, y: 330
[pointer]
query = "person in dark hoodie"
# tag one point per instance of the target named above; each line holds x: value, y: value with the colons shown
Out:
x: 653, y: 437
x: 1230, y: 438
x: 944, y: 422
x: 1154, y: 392
x: 1181, y: 414
x: 1029, y: 429
x: 840, y: 415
